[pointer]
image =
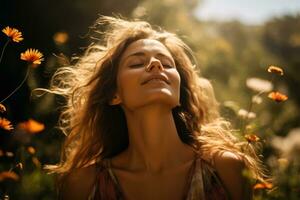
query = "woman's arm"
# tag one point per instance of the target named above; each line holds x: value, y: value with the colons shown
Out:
x: 230, y: 168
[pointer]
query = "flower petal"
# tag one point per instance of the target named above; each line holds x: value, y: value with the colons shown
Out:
x: 31, y: 126
x: 32, y: 56
x: 259, y: 85
x: 2, y: 108
x: 277, y: 96
x: 5, y: 124
x: 13, y: 33
x: 275, y: 70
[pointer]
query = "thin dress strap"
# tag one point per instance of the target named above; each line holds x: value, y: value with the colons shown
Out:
x: 113, y: 176
x: 213, y: 186
x: 106, y: 185
x: 196, y: 187
x: 203, y: 183
x: 191, y: 179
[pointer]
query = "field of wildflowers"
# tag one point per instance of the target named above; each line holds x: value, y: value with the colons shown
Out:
x: 255, y: 72
x: 30, y: 127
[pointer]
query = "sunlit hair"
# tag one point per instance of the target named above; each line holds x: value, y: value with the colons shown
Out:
x: 96, y: 130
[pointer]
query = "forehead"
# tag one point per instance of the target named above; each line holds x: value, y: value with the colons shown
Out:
x: 146, y: 45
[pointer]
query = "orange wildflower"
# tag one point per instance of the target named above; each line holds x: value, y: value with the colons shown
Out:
x: 60, y: 37
x: 276, y: 70
x: 31, y: 126
x: 13, y: 33
x: 1, y: 153
x: 2, y: 108
x: 8, y: 175
x: 5, y: 124
x: 264, y: 185
x: 33, y: 56
x: 252, y: 138
x: 277, y: 96
x: 31, y: 150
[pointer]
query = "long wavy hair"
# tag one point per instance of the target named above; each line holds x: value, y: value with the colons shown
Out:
x: 96, y: 130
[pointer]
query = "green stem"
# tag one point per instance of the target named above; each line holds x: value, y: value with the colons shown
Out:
x: 6, y: 43
x: 273, y: 79
x: 23, y: 81
x: 245, y: 121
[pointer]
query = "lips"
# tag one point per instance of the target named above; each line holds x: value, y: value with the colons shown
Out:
x: 156, y: 76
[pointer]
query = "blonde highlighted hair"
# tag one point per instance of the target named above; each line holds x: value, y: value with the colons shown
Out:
x: 96, y: 130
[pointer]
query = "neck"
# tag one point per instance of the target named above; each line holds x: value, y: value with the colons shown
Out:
x: 154, y: 144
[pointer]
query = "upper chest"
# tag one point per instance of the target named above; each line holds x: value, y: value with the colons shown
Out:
x: 171, y: 184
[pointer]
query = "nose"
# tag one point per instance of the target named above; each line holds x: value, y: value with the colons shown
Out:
x: 154, y: 64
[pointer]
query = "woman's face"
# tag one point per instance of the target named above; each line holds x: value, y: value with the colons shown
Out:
x: 147, y: 75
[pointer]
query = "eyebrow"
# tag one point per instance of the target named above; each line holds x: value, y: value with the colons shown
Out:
x: 136, y: 54
x: 143, y: 54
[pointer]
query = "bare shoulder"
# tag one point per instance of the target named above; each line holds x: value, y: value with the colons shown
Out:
x: 230, y: 168
x: 78, y: 184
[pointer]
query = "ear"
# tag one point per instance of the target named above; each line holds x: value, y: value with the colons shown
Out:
x: 116, y: 100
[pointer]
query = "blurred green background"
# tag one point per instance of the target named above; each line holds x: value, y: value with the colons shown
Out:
x: 232, y: 42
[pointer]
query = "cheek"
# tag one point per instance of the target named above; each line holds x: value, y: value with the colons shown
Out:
x: 176, y: 80
x: 127, y: 83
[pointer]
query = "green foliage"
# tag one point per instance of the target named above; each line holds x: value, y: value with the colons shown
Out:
x: 225, y: 53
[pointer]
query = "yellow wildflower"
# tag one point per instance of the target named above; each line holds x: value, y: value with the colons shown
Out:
x: 13, y: 33
x: 33, y: 56
x: 5, y: 124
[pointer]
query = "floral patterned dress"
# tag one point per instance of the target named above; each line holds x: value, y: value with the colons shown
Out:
x: 204, y: 183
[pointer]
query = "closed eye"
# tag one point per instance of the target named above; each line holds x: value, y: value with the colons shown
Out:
x: 136, y: 65
x: 168, y: 66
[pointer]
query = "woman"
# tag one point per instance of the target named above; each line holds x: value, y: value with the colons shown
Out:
x: 141, y: 124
